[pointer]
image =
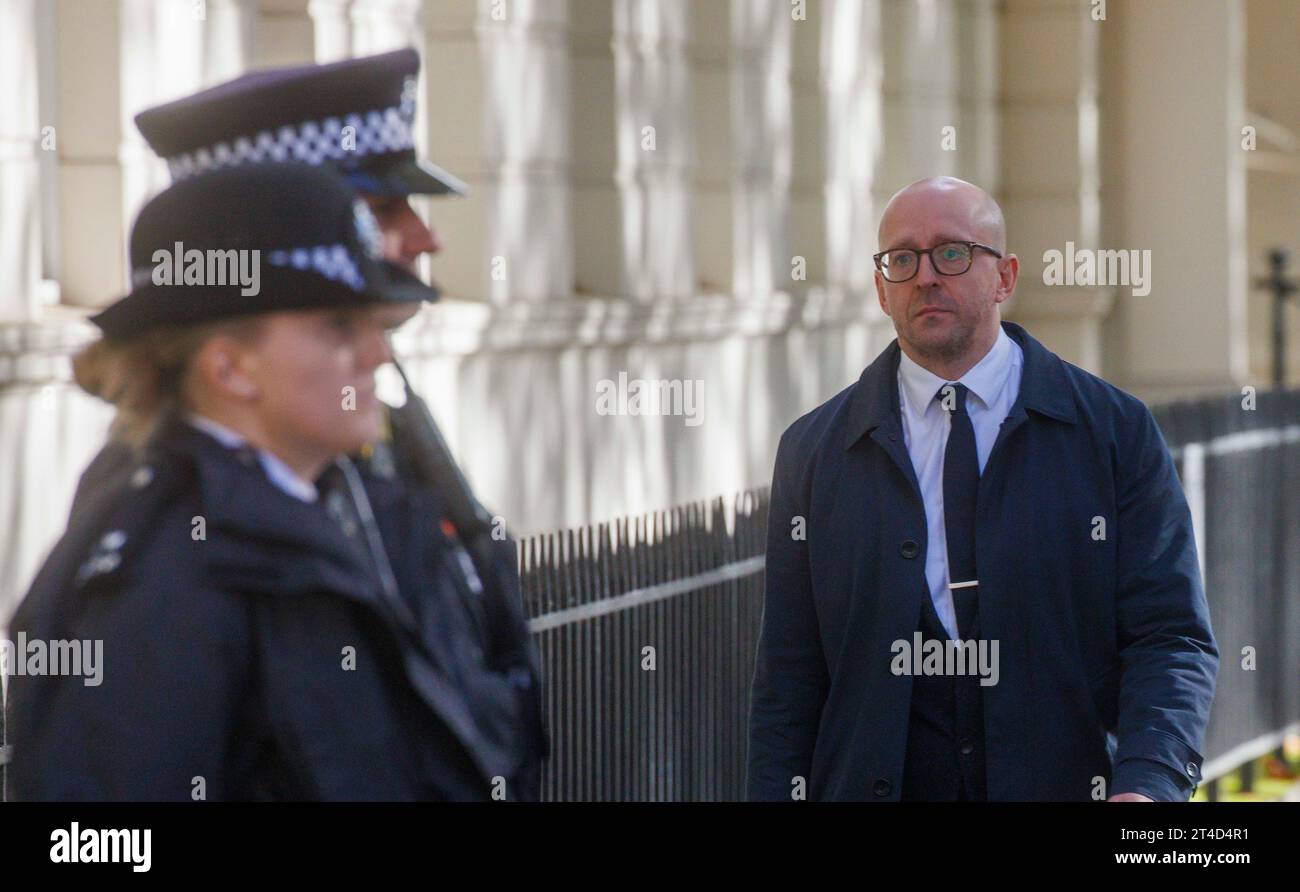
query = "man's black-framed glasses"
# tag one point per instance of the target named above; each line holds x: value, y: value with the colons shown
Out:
x: 948, y: 259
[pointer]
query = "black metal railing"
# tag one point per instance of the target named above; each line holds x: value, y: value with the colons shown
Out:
x: 647, y: 629
x: 1239, y: 460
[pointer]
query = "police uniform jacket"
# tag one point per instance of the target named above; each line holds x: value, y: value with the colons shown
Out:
x: 251, y: 652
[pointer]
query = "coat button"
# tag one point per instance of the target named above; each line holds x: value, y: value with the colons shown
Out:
x: 909, y: 549
x: 142, y: 477
x: 882, y: 787
x: 967, y: 747
x: 1191, y: 769
x: 113, y: 540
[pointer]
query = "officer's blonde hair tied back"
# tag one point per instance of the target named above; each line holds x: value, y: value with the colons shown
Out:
x: 145, y: 377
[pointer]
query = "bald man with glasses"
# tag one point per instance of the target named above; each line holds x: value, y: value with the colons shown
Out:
x: 982, y: 581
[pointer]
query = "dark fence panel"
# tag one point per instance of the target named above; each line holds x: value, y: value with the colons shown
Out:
x: 1240, y: 468
x: 647, y: 629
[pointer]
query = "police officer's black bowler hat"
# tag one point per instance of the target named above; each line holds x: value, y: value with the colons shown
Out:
x: 318, y: 247
x: 356, y: 115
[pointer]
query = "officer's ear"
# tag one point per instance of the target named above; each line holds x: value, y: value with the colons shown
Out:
x: 221, y: 368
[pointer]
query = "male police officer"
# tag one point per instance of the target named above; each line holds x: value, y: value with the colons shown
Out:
x: 357, y: 117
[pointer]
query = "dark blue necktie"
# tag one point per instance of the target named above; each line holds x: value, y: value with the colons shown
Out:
x: 961, y: 478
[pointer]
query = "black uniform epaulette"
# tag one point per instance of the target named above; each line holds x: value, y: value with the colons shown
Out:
x: 118, y: 520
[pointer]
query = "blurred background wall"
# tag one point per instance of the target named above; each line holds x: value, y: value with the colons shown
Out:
x: 680, y: 191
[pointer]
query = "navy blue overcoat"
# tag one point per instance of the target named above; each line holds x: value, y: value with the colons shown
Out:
x: 1089, y: 581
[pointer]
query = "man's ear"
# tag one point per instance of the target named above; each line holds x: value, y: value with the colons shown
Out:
x: 1008, y: 275
x: 222, y: 365
x: 880, y: 292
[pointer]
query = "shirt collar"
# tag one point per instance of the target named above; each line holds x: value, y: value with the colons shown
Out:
x: 985, y: 379
x: 280, y: 474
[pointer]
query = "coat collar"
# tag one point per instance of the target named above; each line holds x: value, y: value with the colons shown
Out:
x: 1044, y: 388
x: 237, y: 498
x: 276, y: 470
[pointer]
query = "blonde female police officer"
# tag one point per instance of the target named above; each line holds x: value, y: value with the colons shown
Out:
x: 274, y: 625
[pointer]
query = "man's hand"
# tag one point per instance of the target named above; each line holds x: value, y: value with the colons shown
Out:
x: 1129, y: 797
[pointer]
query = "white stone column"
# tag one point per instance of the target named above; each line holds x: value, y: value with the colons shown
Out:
x: 978, y: 116
x: 20, y: 181
x: 48, y: 156
x: 284, y: 34
x: 655, y: 167
x: 632, y: 197
x: 918, y: 49
x: 741, y: 52
x: 332, y: 29
x: 1050, y: 167
x: 807, y: 236
x: 712, y: 86
x: 497, y: 91
x: 853, y: 77
x: 229, y: 38
x: 1180, y: 184
x: 382, y: 25
x: 90, y: 126
x: 761, y: 123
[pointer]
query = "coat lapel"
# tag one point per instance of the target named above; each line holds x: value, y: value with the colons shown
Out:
x: 874, y: 411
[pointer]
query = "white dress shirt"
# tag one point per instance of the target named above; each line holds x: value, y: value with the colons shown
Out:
x: 280, y: 474
x: 994, y: 383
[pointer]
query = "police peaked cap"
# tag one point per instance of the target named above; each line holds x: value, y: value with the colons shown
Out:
x: 356, y: 115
